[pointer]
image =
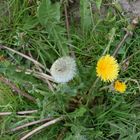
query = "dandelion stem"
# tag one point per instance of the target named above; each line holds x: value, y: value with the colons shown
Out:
x: 94, y: 85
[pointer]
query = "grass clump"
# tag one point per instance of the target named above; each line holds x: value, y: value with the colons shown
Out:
x: 85, y: 108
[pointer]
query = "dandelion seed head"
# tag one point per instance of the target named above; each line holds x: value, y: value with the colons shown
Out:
x: 63, y: 69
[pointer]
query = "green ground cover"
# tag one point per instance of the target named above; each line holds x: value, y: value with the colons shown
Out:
x: 37, y: 29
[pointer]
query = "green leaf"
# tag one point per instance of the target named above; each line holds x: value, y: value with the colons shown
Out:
x: 57, y: 33
x: 85, y: 14
x: 48, y: 13
x: 49, y: 16
x: 79, y: 112
x: 77, y: 136
x: 98, y: 4
x: 117, y: 6
x: 30, y: 23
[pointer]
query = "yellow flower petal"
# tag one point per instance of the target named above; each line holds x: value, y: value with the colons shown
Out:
x: 120, y: 86
x: 107, y: 68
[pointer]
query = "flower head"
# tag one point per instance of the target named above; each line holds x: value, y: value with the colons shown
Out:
x: 63, y: 69
x: 120, y: 86
x: 107, y: 68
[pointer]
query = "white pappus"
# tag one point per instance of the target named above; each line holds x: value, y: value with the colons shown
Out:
x: 63, y: 69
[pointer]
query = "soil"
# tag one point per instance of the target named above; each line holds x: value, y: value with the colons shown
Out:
x: 131, y: 8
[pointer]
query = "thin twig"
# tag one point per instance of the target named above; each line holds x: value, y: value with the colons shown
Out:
x: 67, y: 20
x: 30, y: 124
x: 50, y: 86
x: 18, y: 113
x: 16, y: 89
x: 41, y: 127
x: 27, y: 57
x: 45, y: 80
x: 40, y: 75
x: 128, y: 33
x: 44, y: 77
x: 68, y: 29
x: 27, y: 112
x: 35, y: 62
x: 37, y: 67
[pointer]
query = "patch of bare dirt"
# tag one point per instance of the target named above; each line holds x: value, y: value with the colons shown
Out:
x: 131, y: 8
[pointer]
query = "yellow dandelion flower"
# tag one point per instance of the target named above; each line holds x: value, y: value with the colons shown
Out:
x: 120, y: 86
x: 107, y: 68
